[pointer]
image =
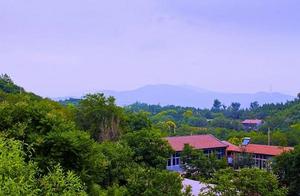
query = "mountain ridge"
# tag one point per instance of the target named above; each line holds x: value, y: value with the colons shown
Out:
x: 184, y: 95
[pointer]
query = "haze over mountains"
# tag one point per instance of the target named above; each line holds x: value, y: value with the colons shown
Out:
x: 191, y: 96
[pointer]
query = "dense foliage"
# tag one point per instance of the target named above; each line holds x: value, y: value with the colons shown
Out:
x: 287, y: 167
x: 225, y: 121
x: 19, y: 177
x: 8, y: 86
x: 198, y: 166
x: 100, y: 116
x: 247, y: 181
x: 93, y: 148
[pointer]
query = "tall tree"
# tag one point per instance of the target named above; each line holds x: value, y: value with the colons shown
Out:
x: 216, y: 106
x: 235, y: 110
x: 149, y: 148
x: 254, y: 105
x: 100, y: 116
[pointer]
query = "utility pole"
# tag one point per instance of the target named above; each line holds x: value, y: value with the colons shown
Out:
x: 269, y: 136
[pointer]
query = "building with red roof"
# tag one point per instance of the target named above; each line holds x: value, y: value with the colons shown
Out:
x: 208, y: 143
x: 196, y: 141
x: 266, y: 150
x: 252, y: 124
x: 259, y: 155
x: 246, y: 154
x: 231, y: 147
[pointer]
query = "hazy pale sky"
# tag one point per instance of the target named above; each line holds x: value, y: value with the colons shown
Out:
x: 63, y: 47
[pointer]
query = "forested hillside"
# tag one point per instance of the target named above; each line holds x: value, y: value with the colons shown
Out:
x: 225, y: 121
x: 8, y: 86
x: 95, y: 147
x: 282, y: 119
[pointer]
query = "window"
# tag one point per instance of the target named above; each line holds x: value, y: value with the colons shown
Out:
x: 220, y: 153
x: 169, y: 162
x: 176, y: 159
x: 207, y: 152
x: 260, y: 161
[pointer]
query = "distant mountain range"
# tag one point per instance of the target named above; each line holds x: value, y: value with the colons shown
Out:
x: 191, y: 96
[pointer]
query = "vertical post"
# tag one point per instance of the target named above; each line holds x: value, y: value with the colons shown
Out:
x: 269, y: 136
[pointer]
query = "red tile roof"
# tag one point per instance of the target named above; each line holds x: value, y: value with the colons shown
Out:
x: 231, y: 147
x: 196, y: 141
x: 258, y: 149
x: 267, y: 150
x: 252, y: 121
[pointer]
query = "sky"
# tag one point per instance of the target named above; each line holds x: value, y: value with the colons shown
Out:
x: 61, y: 48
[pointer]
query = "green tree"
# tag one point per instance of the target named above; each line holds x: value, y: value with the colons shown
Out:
x: 120, y: 160
x: 171, y: 126
x: 49, y: 136
x: 293, y: 135
x: 254, y: 105
x: 279, y: 138
x: 8, y: 86
x: 235, y: 140
x: 75, y: 151
x: 216, y: 106
x: 165, y: 115
x: 247, y: 181
x: 149, y: 182
x: 137, y: 121
x: 100, y: 116
x: 29, y: 119
x: 221, y: 122
x: 198, y: 165
x: 197, y: 121
x: 16, y: 176
x: 287, y: 167
x: 149, y: 148
x: 58, y: 183
x: 235, y: 110
x: 188, y: 114
x: 114, y: 190
x: 192, y: 119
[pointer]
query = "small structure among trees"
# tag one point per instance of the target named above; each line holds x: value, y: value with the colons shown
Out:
x: 252, y: 124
